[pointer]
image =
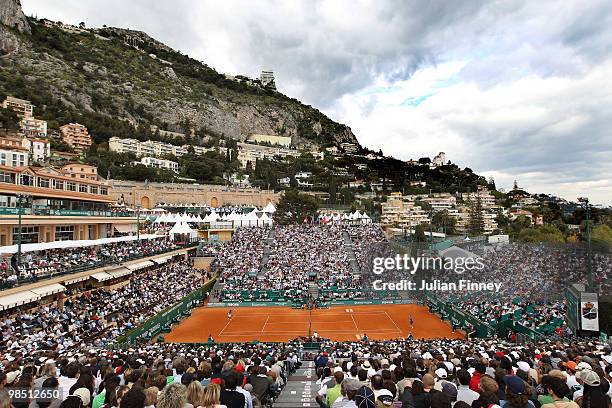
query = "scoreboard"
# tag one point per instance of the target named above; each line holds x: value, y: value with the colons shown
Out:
x: 582, y: 309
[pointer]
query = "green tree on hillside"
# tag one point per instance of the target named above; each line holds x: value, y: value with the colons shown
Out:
x: 293, y: 207
x: 8, y: 119
x: 441, y: 220
x: 419, y: 233
x: 546, y: 233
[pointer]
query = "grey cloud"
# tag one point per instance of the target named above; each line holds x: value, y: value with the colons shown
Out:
x: 320, y: 56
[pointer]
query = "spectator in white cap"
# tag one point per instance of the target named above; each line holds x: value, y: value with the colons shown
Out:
x: 593, y: 394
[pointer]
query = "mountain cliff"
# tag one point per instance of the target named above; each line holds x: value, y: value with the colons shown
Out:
x: 120, y: 82
x: 11, y: 15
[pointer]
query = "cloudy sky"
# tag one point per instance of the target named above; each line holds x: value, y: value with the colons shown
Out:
x: 513, y: 89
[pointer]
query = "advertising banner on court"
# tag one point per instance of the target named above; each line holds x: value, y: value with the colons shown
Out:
x: 589, y: 311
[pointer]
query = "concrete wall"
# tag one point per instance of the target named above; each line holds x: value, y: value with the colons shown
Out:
x: 150, y: 194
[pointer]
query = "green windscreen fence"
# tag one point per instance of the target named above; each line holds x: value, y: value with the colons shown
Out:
x: 164, y: 320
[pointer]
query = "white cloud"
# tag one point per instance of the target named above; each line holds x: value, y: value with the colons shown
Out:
x: 509, y: 130
x: 518, y: 89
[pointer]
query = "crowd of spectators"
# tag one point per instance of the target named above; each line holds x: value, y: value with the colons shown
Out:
x: 162, y: 376
x: 542, y: 270
x: 240, y: 260
x: 303, y: 251
x: 366, y: 374
x: 533, y: 280
x: 368, y: 240
x: 64, y: 260
x: 296, y: 255
x: 97, y: 316
x: 461, y: 373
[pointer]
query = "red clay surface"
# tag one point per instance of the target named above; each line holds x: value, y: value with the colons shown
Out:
x: 341, y: 323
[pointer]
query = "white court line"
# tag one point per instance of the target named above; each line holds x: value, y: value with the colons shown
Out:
x: 264, y: 326
x: 225, y: 327
x: 354, y: 322
x: 327, y: 313
x: 395, y: 324
x: 237, y: 333
x: 319, y: 322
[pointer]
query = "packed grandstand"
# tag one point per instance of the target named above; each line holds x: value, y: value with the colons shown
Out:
x: 86, y: 341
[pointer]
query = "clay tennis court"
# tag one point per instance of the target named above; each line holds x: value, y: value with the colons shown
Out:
x: 341, y: 323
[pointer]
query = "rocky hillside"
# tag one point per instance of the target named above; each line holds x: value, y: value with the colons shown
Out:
x: 120, y: 82
x: 11, y: 15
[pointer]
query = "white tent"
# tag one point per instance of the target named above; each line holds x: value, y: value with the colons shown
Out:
x: 366, y: 219
x: 181, y: 228
x: 161, y: 219
x: 198, y: 219
x: 269, y: 208
x: 213, y: 216
x: 265, y: 219
x: 252, y: 216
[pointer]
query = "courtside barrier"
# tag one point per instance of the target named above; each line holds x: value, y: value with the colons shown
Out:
x: 459, y: 318
x: 164, y: 319
x: 332, y: 303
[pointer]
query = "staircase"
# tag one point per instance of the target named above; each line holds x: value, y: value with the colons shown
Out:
x: 266, y: 253
x: 313, y: 290
x: 349, y: 248
x: 217, y: 286
x: 300, y: 390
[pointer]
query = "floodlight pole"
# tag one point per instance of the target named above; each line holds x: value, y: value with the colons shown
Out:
x: 20, y: 199
x: 590, y: 280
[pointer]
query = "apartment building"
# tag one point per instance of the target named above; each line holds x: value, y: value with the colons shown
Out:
x: 251, y: 153
x: 441, y: 201
x: 349, y: 147
x: 489, y: 222
x: 271, y: 139
x: 401, y: 211
x: 14, y: 156
x: 80, y: 171
x: 487, y: 200
x: 200, y: 150
x: 23, y: 108
x: 76, y: 136
x: 119, y: 145
x: 159, y: 163
x: 33, y: 127
x: 38, y: 149
x: 463, y: 219
x: 151, y: 148
x: 267, y: 79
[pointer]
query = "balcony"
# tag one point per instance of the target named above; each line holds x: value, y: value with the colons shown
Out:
x: 68, y: 269
x: 64, y: 213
